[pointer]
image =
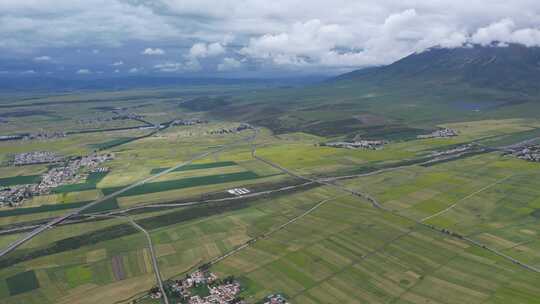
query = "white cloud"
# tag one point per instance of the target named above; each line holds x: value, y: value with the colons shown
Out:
x: 153, y: 52
x: 203, y: 50
x: 133, y: 70
x: 506, y: 31
x: 171, y: 67
x: 117, y: 63
x: 42, y: 58
x: 84, y: 72
x: 229, y: 64
x: 29, y: 72
x: 117, y: 71
x: 326, y: 34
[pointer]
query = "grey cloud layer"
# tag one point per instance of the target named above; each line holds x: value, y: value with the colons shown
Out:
x: 283, y: 33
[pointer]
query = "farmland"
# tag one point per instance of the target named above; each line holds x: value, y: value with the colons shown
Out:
x: 307, y: 238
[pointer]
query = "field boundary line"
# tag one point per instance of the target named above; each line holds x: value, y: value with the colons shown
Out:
x: 465, y: 198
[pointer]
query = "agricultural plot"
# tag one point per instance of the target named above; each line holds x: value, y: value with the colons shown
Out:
x: 489, y: 198
x: 40, y: 209
x: 185, y: 183
x: 197, y: 167
x: 346, y: 252
x: 91, y: 182
x: 22, y: 282
x: 19, y: 180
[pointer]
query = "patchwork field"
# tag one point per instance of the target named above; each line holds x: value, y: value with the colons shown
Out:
x: 313, y: 242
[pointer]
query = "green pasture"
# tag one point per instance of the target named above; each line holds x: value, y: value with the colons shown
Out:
x: 197, y: 167
x: 19, y: 180
x: 184, y: 183
x: 22, y: 282
x: 91, y: 182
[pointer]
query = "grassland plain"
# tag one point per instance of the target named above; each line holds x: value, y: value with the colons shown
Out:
x: 179, y: 247
x: 342, y: 252
x: 19, y: 180
x: 346, y: 252
x: 490, y: 198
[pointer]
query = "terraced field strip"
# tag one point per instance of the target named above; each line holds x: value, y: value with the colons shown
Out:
x: 197, y: 166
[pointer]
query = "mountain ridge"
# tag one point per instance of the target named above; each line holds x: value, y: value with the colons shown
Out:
x: 510, y: 67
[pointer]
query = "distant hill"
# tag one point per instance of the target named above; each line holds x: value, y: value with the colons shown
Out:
x: 411, y: 95
x: 513, y: 67
x: 10, y: 84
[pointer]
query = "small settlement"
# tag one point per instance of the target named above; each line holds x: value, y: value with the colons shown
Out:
x: 528, y: 153
x: 441, y: 133
x: 240, y: 128
x: 44, y: 135
x: 203, y: 287
x: 188, y: 122
x: 358, y: 144
x: 275, y: 299
x: 67, y: 173
x: 34, y: 158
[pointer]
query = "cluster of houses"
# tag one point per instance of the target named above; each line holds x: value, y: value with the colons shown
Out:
x: 529, y: 153
x: 188, y: 122
x: 441, y: 133
x: 275, y: 299
x: 36, y: 157
x: 240, y: 128
x: 44, y: 135
x: 358, y: 144
x: 15, y: 195
x: 218, y: 291
x: 120, y: 115
x: 54, y: 177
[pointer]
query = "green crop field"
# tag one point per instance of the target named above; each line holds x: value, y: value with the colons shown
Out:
x: 22, y: 282
x: 19, y: 180
x: 185, y: 183
x: 91, y: 182
x: 314, y: 243
x: 197, y: 167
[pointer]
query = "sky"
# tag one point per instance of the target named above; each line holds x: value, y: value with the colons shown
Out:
x: 245, y: 38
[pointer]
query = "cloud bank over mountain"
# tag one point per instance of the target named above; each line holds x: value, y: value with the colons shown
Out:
x: 246, y: 37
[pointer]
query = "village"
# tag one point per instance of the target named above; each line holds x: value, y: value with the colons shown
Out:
x: 441, y: 133
x: 36, y: 157
x: 205, y: 287
x: 239, y: 128
x: 528, y: 152
x: 67, y: 173
x: 188, y: 122
x: 358, y: 144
